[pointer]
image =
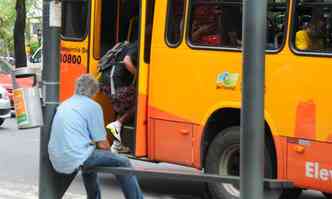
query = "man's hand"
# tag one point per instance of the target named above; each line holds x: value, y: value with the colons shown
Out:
x: 129, y: 65
x: 103, y: 145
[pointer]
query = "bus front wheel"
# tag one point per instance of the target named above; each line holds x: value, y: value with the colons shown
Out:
x: 223, y: 158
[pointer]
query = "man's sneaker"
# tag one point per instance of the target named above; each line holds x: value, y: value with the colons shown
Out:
x: 114, y: 149
x: 115, y: 130
x: 119, y: 148
x: 124, y: 149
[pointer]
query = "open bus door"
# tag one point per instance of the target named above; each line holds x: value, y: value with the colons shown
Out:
x: 113, y: 22
x: 146, y: 17
x: 74, y: 44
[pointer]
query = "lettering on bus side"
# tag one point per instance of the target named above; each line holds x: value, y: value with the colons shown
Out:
x: 71, y: 58
x: 315, y: 171
x: 71, y: 55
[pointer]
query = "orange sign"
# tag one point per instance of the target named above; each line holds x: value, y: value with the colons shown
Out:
x: 20, y: 107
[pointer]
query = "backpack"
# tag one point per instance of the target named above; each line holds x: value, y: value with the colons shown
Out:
x: 106, y: 63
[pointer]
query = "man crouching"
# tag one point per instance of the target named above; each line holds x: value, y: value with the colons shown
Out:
x: 78, y: 140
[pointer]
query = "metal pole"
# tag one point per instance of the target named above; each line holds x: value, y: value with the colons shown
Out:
x: 252, y: 116
x: 52, y: 185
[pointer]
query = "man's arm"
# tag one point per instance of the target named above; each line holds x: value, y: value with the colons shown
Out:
x: 97, y: 130
x: 129, y: 64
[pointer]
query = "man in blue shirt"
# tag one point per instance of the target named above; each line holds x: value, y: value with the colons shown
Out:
x: 78, y: 139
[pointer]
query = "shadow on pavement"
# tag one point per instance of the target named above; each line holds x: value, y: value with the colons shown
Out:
x: 163, y: 188
x: 172, y: 189
x: 177, y: 189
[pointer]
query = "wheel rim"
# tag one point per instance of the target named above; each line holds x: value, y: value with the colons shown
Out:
x: 230, y: 165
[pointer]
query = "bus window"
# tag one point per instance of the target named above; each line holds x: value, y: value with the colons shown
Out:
x: 74, y: 18
x: 216, y: 23
x: 148, y: 29
x: 175, y: 21
x: 276, y: 24
x: 219, y: 23
x: 312, y: 29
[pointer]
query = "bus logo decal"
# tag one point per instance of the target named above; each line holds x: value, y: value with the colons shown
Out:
x: 227, y: 79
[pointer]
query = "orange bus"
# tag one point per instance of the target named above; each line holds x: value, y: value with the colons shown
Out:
x: 189, y: 82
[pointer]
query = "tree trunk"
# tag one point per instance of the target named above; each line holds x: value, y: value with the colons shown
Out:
x: 19, y: 37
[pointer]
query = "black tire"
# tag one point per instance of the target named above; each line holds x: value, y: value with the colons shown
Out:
x: 328, y: 195
x: 2, y: 121
x: 291, y: 193
x: 226, y: 148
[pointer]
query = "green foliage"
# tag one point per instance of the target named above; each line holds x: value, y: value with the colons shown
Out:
x: 34, y: 46
x: 7, y: 21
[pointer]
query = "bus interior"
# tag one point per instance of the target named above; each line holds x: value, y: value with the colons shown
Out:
x: 119, y: 22
x: 313, y: 17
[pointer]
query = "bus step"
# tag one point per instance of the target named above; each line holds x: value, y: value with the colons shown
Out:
x: 128, y: 137
x: 269, y: 184
x: 142, y: 159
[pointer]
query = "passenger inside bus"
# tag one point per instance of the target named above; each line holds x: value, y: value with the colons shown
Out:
x: 123, y: 97
x: 205, y: 27
x: 303, y: 40
x: 318, y: 31
x: 219, y: 24
x: 271, y: 36
x: 313, y: 29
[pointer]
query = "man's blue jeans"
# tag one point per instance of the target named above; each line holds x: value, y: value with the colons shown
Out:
x: 129, y: 184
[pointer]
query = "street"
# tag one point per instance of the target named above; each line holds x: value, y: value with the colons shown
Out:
x: 19, y: 173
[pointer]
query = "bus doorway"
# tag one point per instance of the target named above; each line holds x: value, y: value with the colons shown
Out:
x: 119, y: 22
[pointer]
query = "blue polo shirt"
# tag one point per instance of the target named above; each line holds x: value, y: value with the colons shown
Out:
x: 77, y: 122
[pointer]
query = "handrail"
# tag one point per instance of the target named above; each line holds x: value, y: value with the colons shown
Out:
x: 186, y: 176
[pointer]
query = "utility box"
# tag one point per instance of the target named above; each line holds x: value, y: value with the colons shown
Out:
x: 27, y: 100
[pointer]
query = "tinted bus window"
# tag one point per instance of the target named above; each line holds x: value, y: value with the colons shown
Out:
x: 216, y: 23
x: 148, y: 29
x: 175, y: 20
x: 276, y: 24
x: 219, y: 23
x: 312, y: 29
x: 74, y: 18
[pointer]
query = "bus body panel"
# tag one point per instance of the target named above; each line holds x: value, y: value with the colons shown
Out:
x: 74, y: 62
x: 306, y: 119
x: 309, y: 164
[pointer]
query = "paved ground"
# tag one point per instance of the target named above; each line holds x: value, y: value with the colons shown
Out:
x: 19, y: 161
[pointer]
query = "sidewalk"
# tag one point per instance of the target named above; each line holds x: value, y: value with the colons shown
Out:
x: 10, y: 190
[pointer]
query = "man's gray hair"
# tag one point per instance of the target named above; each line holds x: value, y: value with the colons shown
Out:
x: 86, y: 85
